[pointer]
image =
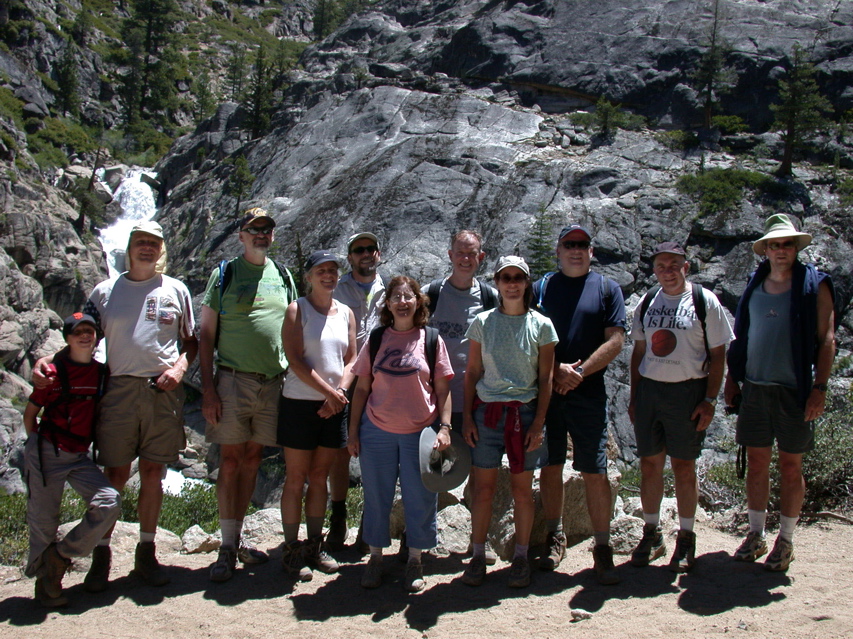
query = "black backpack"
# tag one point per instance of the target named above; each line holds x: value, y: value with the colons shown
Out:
x: 430, y: 347
x: 487, y: 295
x: 698, y: 306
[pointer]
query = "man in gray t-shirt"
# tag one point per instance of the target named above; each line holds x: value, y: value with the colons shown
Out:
x: 454, y: 302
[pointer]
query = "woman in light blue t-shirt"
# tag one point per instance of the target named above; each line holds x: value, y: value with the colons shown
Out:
x: 507, y: 390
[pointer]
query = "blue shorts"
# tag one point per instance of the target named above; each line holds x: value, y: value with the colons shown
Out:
x: 585, y: 419
x: 490, y: 447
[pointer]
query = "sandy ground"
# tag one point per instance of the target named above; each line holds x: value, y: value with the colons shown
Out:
x: 720, y: 597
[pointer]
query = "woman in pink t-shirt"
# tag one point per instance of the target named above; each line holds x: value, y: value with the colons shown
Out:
x: 394, y: 400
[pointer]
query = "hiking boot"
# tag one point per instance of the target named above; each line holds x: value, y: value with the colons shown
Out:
x: 337, y: 535
x: 403, y: 551
x: 223, y: 568
x: 99, y: 572
x: 651, y: 546
x: 556, y: 545
x: 293, y: 561
x: 317, y: 556
x: 146, y: 566
x: 360, y: 545
x: 248, y: 555
x: 753, y: 547
x: 475, y: 571
x: 491, y: 555
x: 519, y: 573
x: 413, y: 581
x: 372, y: 577
x: 685, y: 551
x: 53, y: 567
x: 605, y: 571
x: 46, y: 600
x: 781, y: 556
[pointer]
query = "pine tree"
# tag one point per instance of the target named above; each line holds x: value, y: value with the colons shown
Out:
x: 235, y: 75
x: 714, y: 77
x: 240, y: 181
x: 327, y: 16
x: 801, y: 110
x: 205, y: 99
x: 259, y: 96
x: 540, y: 244
x: 68, y: 97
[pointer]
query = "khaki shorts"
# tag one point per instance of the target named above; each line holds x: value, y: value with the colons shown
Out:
x: 249, y: 409
x: 136, y: 420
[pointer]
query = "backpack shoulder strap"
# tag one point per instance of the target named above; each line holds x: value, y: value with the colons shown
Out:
x: 433, y: 291
x: 287, y: 280
x: 545, y: 279
x: 604, y: 286
x: 431, y: 348
x: 647, y: 300
x: 701, y: 314
x: 487, y: 296
x: 375, y: 340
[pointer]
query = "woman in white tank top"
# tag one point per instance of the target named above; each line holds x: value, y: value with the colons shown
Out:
x: 319, y: 342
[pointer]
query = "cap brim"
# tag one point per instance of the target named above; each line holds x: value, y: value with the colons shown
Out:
x: 460, y: 470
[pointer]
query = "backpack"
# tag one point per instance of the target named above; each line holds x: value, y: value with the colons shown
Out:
x: 487, y: 295
x: 226, y: 274
x: 698, y: 306
x: 431, y: 346
x: 605, y: 291
x: 49, y: 428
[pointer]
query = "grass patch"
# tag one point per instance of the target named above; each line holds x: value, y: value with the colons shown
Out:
x: 719, y: 190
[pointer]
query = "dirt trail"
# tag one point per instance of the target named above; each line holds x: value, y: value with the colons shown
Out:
x: 720, y: 597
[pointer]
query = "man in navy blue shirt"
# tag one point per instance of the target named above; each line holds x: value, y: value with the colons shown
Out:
x: 588, y: 311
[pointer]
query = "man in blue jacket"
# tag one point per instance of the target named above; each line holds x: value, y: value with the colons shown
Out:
x: 779, y: 365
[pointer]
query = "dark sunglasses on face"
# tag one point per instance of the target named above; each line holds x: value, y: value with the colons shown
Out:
x: 572, y: 244
x: 254, y: 230
x: 509, y: 279
x: 358, y: 250
x: 775, y: 246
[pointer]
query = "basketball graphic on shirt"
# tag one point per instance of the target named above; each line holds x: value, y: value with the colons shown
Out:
x: 663, y: 342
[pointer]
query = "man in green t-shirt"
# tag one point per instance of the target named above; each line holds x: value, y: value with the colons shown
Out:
x: 242, y: 315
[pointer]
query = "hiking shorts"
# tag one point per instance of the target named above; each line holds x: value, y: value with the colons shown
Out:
x: 136, y: 419
x: 249, y: 408
x: 585, y: 419
x: 300, y: 427
x: 662, y: 418
x: 771, y: 412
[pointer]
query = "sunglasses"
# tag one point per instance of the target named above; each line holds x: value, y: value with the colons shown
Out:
x: 358, y: 250
x: 572, y: 244
x: 509, y: 279
x: 255, y: 230
x: 787, y: 244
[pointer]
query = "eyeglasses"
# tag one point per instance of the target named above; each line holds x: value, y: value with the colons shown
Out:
x: 776, y: 246
x: 509, y: 279
x: 256, y: 230
x: 572, y: 244
x: 358, y: 250
x: 402, y: 297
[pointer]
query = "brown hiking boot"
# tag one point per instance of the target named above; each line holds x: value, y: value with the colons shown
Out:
x: 651, y: 546
x: 99, y: 572
x: 46, y: 600
x: 605, y: 571
x: 52, y: 571
x: 293, y: 561
x: 317, y: 556
x: 146, y: 566
x: 685, y: 551
x: 556, y: 548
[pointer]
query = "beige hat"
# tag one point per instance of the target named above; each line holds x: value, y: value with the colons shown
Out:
x: 777, y: 226
x: 148, y: 226
x: 512, y: 260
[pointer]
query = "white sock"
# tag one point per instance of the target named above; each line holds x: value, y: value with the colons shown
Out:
x: 686, y: 523
x: 376, y: 551
x: 415, y: 555
x: 105, y: 541
x: 238, y: 529
x: 144, y: 536
x: 757, y: 519
x: 787, y: 526
x: 227, y: 527
x: 651, y: 518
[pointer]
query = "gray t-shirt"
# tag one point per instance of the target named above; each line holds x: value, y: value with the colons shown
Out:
x: 510, y: 351
x: 453, y: 315
x: 769, y: 359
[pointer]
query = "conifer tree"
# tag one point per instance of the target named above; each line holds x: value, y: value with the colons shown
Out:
x: 235, y: 75
x: 259, y: 95
x: 205, y: 99
x: 68, y: 97
x: 801, y: 108
x: 540, y: 244
x: 714, y: 77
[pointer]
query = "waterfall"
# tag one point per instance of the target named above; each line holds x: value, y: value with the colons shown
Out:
x: 137, y: 204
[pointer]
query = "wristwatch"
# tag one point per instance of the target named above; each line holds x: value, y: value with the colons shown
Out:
x: 579, y: 370
x: 712, y: 401
x: 820, y: 387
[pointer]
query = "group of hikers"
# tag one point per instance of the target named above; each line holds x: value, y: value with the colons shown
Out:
x: 412, y: 380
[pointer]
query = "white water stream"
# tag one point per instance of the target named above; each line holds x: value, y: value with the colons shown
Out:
x: 138, y: 203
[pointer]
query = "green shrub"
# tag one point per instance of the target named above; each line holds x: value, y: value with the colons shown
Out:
x: 729, y: 124
x: 718, y: 190
x: 845, y: 191
x: 678, y: 140
x: 11, y: 107
x: 51, y: 145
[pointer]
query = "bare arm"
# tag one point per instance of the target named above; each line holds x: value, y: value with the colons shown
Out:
x: 211, y: 406
x: 704, y: 412
x: 567, y: 378
x: 41, y: 377
x: 359, y: 401
x: 352, y: 352
x: 171, y: 377
x: 473, y: 373
x: 533, y: 439
x: 30, y: 414
x: 441, y: 385
x: 636, y: 357
x: 825, y: 351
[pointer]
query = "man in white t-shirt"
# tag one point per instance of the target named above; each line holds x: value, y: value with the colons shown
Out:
x: 680, y: 333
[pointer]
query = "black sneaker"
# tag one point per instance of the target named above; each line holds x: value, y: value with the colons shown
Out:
x: 685, y: 551
x: 337, y: 535
x: 651, y: 546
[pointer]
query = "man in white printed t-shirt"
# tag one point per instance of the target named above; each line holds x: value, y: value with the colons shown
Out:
x: 680, y: 333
